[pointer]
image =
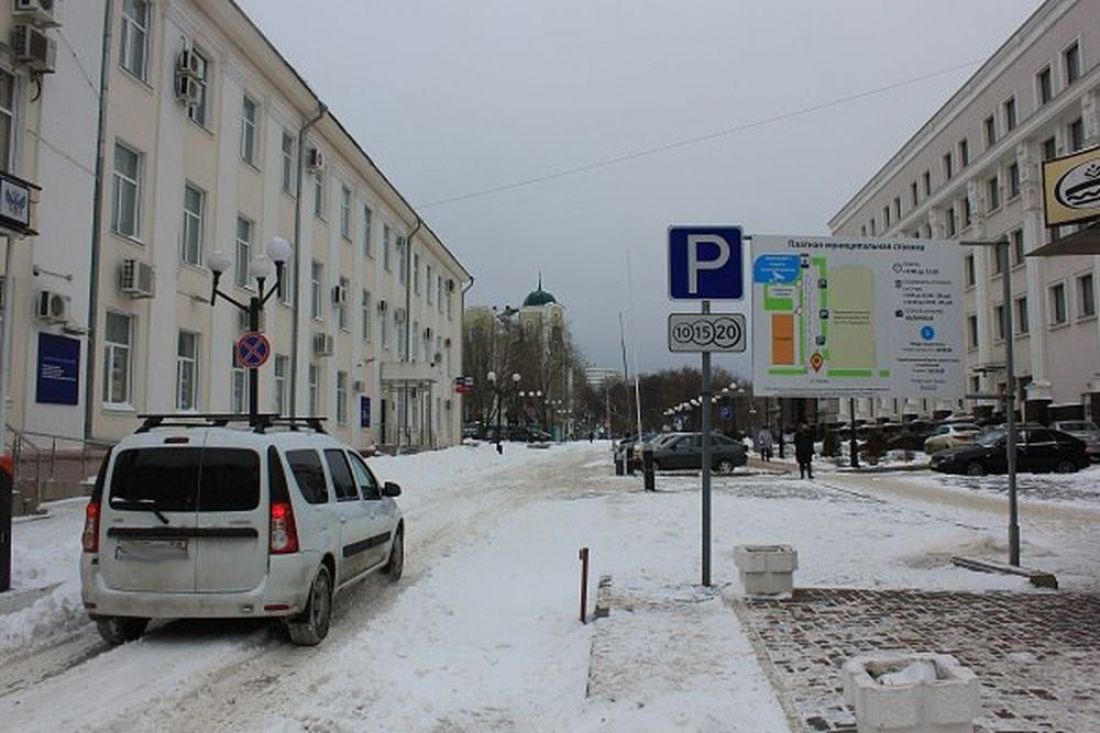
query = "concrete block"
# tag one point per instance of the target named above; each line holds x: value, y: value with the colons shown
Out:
x: 911, y: 693
x: 766, y: 569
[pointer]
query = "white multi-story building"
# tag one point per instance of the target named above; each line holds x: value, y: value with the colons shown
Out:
x: 210, y: 141
x: 973, y: 173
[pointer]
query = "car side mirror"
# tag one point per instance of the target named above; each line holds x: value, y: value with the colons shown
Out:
x: 391, y: 489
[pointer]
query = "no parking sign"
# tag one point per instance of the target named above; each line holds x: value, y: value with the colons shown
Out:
x: 252, y: 350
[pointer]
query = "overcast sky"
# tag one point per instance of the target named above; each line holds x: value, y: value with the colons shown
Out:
x: 455, y: 97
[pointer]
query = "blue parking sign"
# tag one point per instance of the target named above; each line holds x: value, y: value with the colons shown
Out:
x: 705, y: 263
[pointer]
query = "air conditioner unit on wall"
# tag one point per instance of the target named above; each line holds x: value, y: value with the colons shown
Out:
x: 137, y: 279
x: 383, y: 306
x: 188, y: 90
x: 339, y: 295
x: 324, y: 344
x: 39, y: 12
x: 189, y: 64
x: 33, y: 48
x: 52, y: 307
x: 315, y: 160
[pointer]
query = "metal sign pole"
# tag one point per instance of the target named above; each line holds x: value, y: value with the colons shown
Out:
x: 704, y: 400
x: 1010, y: 409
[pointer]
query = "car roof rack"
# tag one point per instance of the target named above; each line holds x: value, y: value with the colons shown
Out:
x: 259, y: 423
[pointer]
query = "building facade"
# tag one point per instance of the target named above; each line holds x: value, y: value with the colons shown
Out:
x: 210, y: 141
x: 973, y: 173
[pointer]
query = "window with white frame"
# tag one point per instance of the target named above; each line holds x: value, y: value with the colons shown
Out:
x: 926, y: 181
x: 314, y: 381
x: 7, y: 118
x: 282, y: 382
x: 913, y: 194
x: 200, y: 112
x: 194, y: 202
x: 1075, y: 135
x: 316, y: 275
x: 999, y: 322
x: 241, y: 269
x: 117, y: 358
x: 187, y: 370
x: 384, y: 321
x: 1013, y: 180
x: 1021, y: 319
x: 968, y: 271
x: 248, y: 130
x: 288, y: 162
x: 342, y: 307
x: 402, y: 261
x: 368, y: 250
x: 439, y: 292
x: 386, y: 247
x: 345, y: 212
x: 950, y: 221
x: 416, y: 273
x: 993, y: 193
x: 364, y: 305
x: 1071, y: 63
x: 402, y: 331
x: 1050, y: 148
x: 1044, y: 85
x: 319, y: 194
x: 897, y: 208
x: 238, y: 383
x: 972, y: 331
x: 1000, y: 260
x: 341, y: 398
x: 990, y: 126
x: 286, y: 287
x: 1086, y: 296
x: 948, y: 166
x: 1017, y: 239
x: 967, y: 212
x: 134, y: 51
x: 1009, y: 109
x: 126, y: 192
x: 414, y: 351
x: 964, y: 153
x: 450, y: 302
x: 1058, y: 311
x: 428, y: 282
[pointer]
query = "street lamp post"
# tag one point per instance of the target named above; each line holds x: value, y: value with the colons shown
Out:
x: 262, y: 267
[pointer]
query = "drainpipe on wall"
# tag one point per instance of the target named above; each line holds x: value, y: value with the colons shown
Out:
x: 403, y: 422
x: 322, y: 108
x: 97, y: 222
x: 462, y: 354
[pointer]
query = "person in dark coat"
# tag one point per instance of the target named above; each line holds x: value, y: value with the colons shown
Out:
x: 804, y: 451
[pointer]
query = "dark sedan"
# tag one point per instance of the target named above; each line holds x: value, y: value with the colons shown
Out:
x: 1038, y: 450
x: 686, y: 451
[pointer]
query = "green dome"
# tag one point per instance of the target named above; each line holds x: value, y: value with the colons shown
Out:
x: 538, y: 297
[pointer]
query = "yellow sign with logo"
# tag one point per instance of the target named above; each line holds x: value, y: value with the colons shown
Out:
x: 1071, y: 188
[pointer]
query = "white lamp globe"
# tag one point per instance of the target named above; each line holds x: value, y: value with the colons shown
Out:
x: 516, y: 377
x: 279, y: 250
x: 218, y: 261
x: 262, y: 267
x: 491, y: 376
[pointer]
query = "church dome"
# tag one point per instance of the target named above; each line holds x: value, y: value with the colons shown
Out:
x: 538, y: 297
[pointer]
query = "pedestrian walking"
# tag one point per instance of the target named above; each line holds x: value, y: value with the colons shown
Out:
x: 591, y: 436
x: 804, y: 451
x: 764, y: 442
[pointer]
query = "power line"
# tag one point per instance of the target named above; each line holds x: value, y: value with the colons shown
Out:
x: 607, y: 162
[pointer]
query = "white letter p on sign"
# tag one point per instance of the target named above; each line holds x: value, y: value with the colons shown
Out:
x: 694, y: 243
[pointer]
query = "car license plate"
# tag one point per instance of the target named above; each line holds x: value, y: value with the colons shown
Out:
x: 151, y: 550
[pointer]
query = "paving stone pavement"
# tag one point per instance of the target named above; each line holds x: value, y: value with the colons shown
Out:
x: 1036, y: 654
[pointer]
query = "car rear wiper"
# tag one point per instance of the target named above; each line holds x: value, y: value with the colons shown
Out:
x: 149, y: 505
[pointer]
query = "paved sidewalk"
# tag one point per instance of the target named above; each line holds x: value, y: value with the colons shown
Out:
x: 1036, y: 654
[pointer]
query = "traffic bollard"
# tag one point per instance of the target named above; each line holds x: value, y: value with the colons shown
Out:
x: 647, y: 469
x: 584, y: 584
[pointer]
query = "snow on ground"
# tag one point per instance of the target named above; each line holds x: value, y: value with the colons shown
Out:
x: 482, y: 632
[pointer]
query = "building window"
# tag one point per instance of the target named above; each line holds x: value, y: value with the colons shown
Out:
x: 872, y: 227
x: 282, y: 394
x: 964, y: 153
x: 1071, y: 60
x: 1000, y: 260
x: 990, y: 131
x: 1044, y: 83
x: 948, y: 167
x: 368, y: 250
x: 364, y: 304
x: 450, y: 302
x: 385, y: 323
x: 319, y: 195
x: 428, y: 284
x: 341, y: 398
x: 1013, y: 180
x: 416, y: 273
x: 999, y: 321
x: 993, y: 192
x: 897, y: 208
x: 402, y: 332
x: 1058, y: 314
x: 1021, y: 315
x: 386, y: 248
x: 414, y: 349
x: 968, y: 215
x: 288, y: 162
x: 1050, y: 148
x: 342, y: 308
x: 7, y: 118
x: 116, y: 359
x: 863, y: 230
x: 316, y: 275
x: 134, y: 50
x: 913, y: 194
x: 200, y: 111
x: 238, y: 383
x: 1076, y: 134
x: 248, y: 131
x: 1017, y: 238
x: 244, y: 252
x: 950, y: 221
x: 314, y: 389
x: 194, y: 201
x: 1086, y: 297
x: 972, y: 331
x: 345, y: 212
x: 885, y: 218
x: 187, y: 370
x: 1010, y: 114
x: 285, y: 286
x: 968, y: 269
x: 402, y: 261
x: 439, y: 292
x: 126, y: 192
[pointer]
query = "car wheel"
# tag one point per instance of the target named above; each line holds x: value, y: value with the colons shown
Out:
x: 311, y: 627
x: 117, y: 630
x: 725, y: 466
x: 1066, y: 467
x: 975, y: 468
x: 396, y: 564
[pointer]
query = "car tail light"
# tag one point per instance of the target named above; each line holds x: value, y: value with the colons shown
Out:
x: 90, y: 537
x: 284, y: 534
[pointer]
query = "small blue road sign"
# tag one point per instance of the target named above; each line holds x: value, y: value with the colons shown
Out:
x: 252, y: 350
x: 705, y: 263
x: 727, y: 412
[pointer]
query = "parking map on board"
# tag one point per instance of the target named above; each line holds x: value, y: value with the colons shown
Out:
x: 835, y: 317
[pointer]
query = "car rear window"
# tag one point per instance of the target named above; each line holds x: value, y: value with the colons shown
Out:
x: 187, y: 479
x: 308, y: 474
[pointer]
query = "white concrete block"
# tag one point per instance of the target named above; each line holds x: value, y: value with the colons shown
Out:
x: 911, y: 693
x: 766, y: 569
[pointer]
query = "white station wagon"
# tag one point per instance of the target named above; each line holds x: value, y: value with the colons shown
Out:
x: 191, y: 518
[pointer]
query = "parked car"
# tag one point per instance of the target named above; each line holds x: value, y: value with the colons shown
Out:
x: 1038, y: 449
x: 907, y: 441
x: 686, y: 451
x: 951, y: 435
x: 1084, y: 430
x: 194, y: 520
